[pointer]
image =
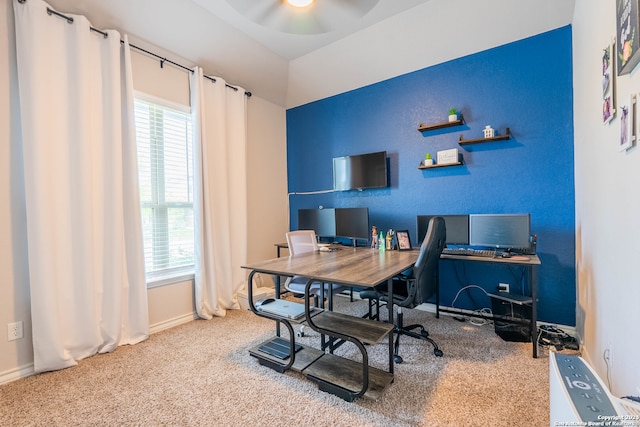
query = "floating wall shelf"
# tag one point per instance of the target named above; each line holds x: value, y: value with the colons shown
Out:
x: 427, y: 128
x: 442, y: 165
x: 504, y: 137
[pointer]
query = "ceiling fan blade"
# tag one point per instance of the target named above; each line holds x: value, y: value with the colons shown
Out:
x: 321, y: 17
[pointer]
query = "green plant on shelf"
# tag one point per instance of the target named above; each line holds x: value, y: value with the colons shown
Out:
x: 453, y: 114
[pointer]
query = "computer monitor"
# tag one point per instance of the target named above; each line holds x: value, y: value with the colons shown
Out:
x: 322, y: 221
x: 500, y: 231
x: 352, y: 223
x: 457, y: 228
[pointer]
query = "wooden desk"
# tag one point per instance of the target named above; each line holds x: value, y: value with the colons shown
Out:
x: 363, y: 267
x: 530, y: 262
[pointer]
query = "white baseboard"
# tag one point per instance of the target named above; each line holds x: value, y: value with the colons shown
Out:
x: 27, y: 370
x: 16, y: 373
x: 170, y: 323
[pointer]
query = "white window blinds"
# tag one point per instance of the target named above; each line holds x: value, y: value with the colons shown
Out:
x: 163, y: 137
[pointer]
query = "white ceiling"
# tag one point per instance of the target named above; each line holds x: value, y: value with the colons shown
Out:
x: 233, y: 40
x: 273, y: 23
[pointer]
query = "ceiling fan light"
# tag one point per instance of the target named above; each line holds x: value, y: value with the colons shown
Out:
x: 299, y: 3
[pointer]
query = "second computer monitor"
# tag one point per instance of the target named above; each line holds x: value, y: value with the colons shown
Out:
x: 457, y: 228
x: 501, y: 231
x: 322, y: 221
x: 353, y: 223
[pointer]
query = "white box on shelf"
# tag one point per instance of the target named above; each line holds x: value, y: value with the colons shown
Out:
x: 448, y: 156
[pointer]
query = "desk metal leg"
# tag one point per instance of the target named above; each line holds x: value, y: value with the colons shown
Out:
x: 277, y: 295
x: 390, y: 308
x: 533, y: 281
x: 438, y: 298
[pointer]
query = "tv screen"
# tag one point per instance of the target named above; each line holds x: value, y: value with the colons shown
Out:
x: 500, y: 231
x: 352, y: 223
x: 360, y: 172
x: 457, y: 228
x: 322, y: 221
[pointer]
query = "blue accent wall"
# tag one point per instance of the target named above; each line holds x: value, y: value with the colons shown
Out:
x: 525, y: 86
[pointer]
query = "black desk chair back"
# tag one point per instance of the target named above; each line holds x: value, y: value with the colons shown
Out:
x: 415, y: 288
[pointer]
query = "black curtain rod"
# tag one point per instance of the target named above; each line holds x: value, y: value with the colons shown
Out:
x: 162, y: 59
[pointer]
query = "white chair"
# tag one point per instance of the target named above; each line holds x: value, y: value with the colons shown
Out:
x: 299, y: 242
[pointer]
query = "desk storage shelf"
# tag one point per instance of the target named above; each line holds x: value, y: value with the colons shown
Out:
x: 335, y: 374
x: 344, y: 377
x: 504, y: 137
x: 364, y: 330
x: 435, y: 126
x: 442, y: 165
x: 303, y: 358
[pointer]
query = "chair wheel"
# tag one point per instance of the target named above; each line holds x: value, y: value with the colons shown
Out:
x: 397, y: 359
x: 438, y: 352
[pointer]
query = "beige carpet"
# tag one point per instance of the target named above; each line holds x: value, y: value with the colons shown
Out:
x: 201, y: 374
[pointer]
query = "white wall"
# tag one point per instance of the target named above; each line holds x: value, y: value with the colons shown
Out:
x: 429, y: 34
x: 14, y: 274
x: 607, y: 208
x: 170, y: 304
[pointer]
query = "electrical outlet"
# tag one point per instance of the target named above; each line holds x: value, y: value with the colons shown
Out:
x: 15, y: 331
x: 503, y: 287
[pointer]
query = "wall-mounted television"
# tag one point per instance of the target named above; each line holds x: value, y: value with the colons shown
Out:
x: 360, y: 172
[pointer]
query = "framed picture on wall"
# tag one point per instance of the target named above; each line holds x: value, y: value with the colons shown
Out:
x: 627, y: 130
x: 627, y: 36
x: 608, y: 83
x: 404, y: 241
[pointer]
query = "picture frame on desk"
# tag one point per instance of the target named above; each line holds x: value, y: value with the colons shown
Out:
x: 404, y: 240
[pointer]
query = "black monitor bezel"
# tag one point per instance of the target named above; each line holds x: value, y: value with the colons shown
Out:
x: 523, y: 242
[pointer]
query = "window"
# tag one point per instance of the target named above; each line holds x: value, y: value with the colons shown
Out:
x: 164, y: 145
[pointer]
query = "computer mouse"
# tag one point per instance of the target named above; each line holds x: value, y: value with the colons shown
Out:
x: 264, y: 301
x: 506, y: 255
x: 324, y: 249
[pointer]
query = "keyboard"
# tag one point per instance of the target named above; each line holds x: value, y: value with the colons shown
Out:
x: 485, y: 253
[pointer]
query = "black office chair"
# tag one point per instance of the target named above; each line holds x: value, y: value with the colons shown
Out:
x: 412, y: 290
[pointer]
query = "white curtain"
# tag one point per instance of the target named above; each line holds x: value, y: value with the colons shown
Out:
x: 220, y: 193
x: 86, y: 263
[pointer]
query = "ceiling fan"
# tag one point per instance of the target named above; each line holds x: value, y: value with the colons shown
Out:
x: 321, y: 16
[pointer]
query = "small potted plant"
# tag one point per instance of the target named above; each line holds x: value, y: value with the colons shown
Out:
x: 453, y: 114
x: 428, y: 161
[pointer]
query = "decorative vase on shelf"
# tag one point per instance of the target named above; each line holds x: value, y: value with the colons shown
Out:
x: 453, y: 115
x: 488, y: 132
x: 428, y: 161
